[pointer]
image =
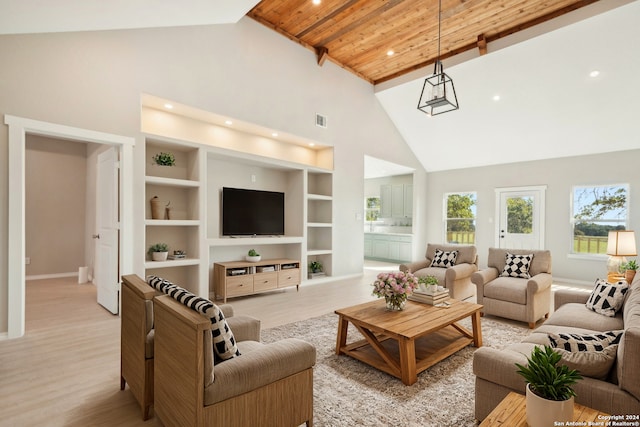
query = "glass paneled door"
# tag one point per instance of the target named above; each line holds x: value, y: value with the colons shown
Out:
x: 520, y: 214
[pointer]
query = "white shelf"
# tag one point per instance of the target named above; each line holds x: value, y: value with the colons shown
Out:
x: 319, y: 197
x: 171, y: 263
x: 172, y: 222
x: 311, y: 252
x: 319, y: 224
x: 242, y: 241
x: 158, y: 180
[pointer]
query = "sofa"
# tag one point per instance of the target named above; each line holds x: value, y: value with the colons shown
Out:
x: 523, y: 299
x: 456, y: 278
x: 617, y: 392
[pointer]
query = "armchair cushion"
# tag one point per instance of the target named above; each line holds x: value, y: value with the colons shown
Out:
x: 444, y: 259
x: 517, y: 266
x: 607, y: 298
x: 224, y: 343
x: 507, y: 289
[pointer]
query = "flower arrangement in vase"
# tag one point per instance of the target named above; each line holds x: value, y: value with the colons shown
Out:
x: 395, y: 287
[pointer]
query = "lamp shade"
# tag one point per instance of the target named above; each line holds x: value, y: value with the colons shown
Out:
x: 621, y: 243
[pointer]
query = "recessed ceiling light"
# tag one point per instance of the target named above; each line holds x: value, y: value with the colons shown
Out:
x: 496, y: 97
x: 594, y: 73
x: 390, y: 52
x: 274, y: 134
x: 168, y: 106
x: 311, y: 144
x: 228, y: 122
x: 316, y: 1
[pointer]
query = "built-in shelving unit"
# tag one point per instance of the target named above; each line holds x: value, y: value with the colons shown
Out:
x: 319, y: 227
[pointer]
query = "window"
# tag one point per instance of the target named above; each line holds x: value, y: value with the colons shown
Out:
x: 595, y: 211
x: 460, y: 218
x: 372, y: 208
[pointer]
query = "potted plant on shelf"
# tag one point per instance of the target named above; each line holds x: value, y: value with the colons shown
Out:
x: 164, y: 159
x: 158, y: 252
x: 253, y: 256
x: 630, y: 269
x: 315, y: 269
x: 549, y: 395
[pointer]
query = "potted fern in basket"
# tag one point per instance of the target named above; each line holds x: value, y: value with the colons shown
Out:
x: 550, y: 395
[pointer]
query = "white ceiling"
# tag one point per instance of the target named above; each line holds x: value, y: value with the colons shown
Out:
x: 549, y: 106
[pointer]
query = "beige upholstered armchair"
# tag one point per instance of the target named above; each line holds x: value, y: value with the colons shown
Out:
x: 457, y: 277
x: 267, y: 385
x: 527, y: 298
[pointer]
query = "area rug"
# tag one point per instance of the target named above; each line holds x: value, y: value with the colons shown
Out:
x: 350, y: 393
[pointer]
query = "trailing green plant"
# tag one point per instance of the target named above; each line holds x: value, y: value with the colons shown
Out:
x: 164, y: 159
x: 546, y: 379
x: 315, y: 266
x: 428, y: 280
x: 630, y: 265
x: 158, y: 247
x: 253, y: 252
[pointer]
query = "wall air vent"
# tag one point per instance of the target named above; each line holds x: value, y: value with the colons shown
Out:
x: 321, y: 121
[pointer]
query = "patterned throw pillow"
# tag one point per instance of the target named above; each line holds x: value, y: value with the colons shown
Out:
x: 594, y: 364
x: 607, y: 298
x: 517, y: 266
x: 590, y: 342
x: 224, y: 343
x: 444, y: 259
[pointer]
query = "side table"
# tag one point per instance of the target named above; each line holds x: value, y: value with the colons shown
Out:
x: 512, y: 412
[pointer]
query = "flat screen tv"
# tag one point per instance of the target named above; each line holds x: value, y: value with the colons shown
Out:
x: 252, y: 212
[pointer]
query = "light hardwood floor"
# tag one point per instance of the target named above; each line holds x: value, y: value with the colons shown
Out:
x: 65, y: 371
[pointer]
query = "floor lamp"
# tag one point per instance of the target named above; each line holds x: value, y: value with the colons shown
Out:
x: 621, y: 243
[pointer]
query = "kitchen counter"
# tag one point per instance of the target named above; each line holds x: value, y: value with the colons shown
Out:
x: 393, y: 247
x: 388, y: 234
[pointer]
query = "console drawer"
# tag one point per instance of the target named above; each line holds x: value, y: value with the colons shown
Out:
x: 265, y: 281
x: 288, y: 277
x: 239, y: 285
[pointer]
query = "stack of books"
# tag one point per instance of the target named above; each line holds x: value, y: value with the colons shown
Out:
x: 433, y: 299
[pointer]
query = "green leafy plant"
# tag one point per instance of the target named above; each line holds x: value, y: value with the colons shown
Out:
x: 253, y: 252
x: 545, y: 378
x: 158, y: 247
x: 630, y: 265
x: 164, y: 159
x: 315, y: 266
x: 428, y: 280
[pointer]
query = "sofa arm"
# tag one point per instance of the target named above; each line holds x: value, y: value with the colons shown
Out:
x: 565, y: 296
x: 415, y: 266
x: 460, y: 271
x: 259, y: 367
x: 227, y: 310
x: 539, y: 282
x: 482, y: 277
x: 244, y: 328
x: 499, y: 366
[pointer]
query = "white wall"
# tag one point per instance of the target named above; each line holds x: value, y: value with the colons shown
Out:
x: 559, y: 175
x: 94, y: 80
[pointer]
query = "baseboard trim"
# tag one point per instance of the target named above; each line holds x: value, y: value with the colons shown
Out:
x: 4, y: 336
x: 51, y: 276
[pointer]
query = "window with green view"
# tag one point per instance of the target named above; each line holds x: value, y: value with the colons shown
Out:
x: 596, y: 210
x: 460, y: 218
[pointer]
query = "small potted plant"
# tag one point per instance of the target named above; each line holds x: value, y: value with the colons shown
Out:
x: 164, y: 159
x: 315, y: 269
x: 253, y: 256
x: 158, y: 252
x: 630, y: 269
x: 428, y: 284
x: 550, y: 395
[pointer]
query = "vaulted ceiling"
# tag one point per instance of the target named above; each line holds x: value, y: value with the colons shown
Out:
x: 380, y: 40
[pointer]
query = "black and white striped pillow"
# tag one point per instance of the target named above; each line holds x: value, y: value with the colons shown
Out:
x: 588, y: 342
x: 444, y: 259
x: 224, y: 343
x: 607, y: 298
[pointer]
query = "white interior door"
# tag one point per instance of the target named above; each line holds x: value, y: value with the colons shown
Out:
x: 107, y: 235
x: 520, y: 214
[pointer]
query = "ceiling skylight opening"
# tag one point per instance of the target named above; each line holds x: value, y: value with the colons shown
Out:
x: 594, y: 73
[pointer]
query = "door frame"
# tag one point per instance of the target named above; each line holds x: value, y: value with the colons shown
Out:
x: 541, y: 189
x: 19, y: 128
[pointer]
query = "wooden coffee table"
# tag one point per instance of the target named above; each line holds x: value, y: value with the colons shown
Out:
x: 405, y: 343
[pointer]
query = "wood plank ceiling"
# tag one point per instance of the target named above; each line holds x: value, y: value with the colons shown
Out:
x: 358, y: 34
